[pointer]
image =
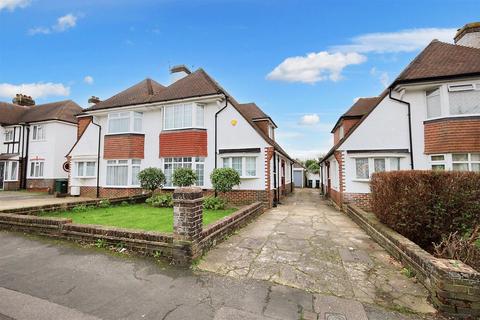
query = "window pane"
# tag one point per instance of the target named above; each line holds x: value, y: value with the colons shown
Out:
x: 178, y: 116
x: 362, y: 168
x: 200, y: 172
x: 117, y: 125
x: 117, y: 175
x: 251, y: 166
x: 137, y: 121
x: 438, y: 167
x: 40, y: 174
x: 80, y: 169
x: 433, y: 104
x: 475, y: 167
x: 187, y: 115
x: 475, y: 156
x: 13, y: 170
x: 460, y: 167
x: 32, y: 169
x: 394, y: 164
x: 226, y: 162
x: 90, y: 169
x: 200, y: 116
x: 379, y: 165
x: 237, y: 165
x: 122, y: 161
x: 169, y: 117
x: 464, y: 102
x: 135, y: 171
x: 136, y: 161
x: 460, y: 157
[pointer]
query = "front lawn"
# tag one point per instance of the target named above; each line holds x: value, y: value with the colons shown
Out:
x: 138, y: 216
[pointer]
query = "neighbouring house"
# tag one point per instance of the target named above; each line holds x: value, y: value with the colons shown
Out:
x: 427, y: 119
x: 299, y: 176
x: 194, y: 123
x: 33, y: 142
x: 313, y: 179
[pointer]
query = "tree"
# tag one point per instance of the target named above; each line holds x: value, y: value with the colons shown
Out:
x: 151, y: 179
x: 224, y: 179
x: 314, y: 167
x: 309, y: 162
x: 184, y: 177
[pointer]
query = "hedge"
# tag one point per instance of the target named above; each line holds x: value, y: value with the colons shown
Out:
x: 426, y: 206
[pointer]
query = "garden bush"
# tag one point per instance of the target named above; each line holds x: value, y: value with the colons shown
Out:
x: 164, y: 200
x: 151, y: 178
x: 427, y: 206
x: 224, y: 179
x: 214, y: 203
x: 184, y: 177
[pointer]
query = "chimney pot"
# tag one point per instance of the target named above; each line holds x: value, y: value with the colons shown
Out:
x: 94, y: 100
x: 178, y: 72
x: 469, y: 35
x: 23, y: 100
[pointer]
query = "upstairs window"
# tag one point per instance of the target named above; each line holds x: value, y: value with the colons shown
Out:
x: 341, y: 132
x: 8, y: 135
x: 38, y: 132
x: 184, y: 115
x: 434, y: 107
x: 125, y: 122
x: 463, y: 99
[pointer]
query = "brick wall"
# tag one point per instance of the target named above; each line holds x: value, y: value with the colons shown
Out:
x: 41, y: 185
x: 452, y: 135
x: 361, y: 200
x: 183, y: 143
x: 337, y: 196
x: 82, y: 125
x: 11, y: 185
x: 124, y: 146
x: 91, y: 192
x: 347, y: 124
x: 268, y: 179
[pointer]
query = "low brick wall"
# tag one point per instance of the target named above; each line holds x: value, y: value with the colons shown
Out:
x: 41, y: 185
x: 224, y: 227
x: 454, y: 286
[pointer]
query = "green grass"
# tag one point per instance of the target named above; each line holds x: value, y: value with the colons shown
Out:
x: 138, y: 216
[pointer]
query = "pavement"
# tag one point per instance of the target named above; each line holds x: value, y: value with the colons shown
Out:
x: 306, y: 243
x: 48, y: 279
x: 23, y: 199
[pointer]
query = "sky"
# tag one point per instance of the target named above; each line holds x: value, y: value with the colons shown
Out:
x: 303, y: 62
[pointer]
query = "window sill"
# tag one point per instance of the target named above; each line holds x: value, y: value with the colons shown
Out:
x: 361, y: 180
x: 35, y: 178
x: 186, y: 128
x: 10, y: 180
x: 91, y: 177
x: 249, y: 177
x: 124, y: 133
x: 122, y: 187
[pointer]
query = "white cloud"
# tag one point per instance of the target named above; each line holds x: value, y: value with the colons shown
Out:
x: 88, y: 79
x: 13, y: 4
x: 315, y: 67
x: 36, y: 90
x: 382, y: 76
x: 309, y: 119
x: 400, y: 41
x: 64, y: 23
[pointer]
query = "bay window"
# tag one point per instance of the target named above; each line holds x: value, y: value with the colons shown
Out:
x: 11, y: 171
x: 184, y: 115
x: 364, y: 167
x: 434, y: 107
x: 36, y: 169
x: 456, y: 162
x: 38, y: 132
x: 245, y: 166
x: 463, y: 99
x: 197, y: 164
x: 123, y: 173
x: 85, y: 169
x: 125, y: 122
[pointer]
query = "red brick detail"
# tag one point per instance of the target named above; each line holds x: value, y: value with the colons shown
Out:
x: 124, y: 146
x: 41, y: 185
x: 82, y: 125
x: 361, y: 200
x: 268, y: 179
x: 347, y: 125
x: 91, y: 192
x: 452, y: 135
x: 184, y: 143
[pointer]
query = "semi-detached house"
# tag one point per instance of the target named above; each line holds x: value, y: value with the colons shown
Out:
x: 427, y: 119
x: 33, y: 142
x: 194, y: 123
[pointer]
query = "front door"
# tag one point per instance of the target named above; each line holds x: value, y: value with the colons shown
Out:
x: 2, y: 174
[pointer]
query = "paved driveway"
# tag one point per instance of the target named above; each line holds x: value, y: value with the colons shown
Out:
x: 307, y: 244
x: 21, y: 199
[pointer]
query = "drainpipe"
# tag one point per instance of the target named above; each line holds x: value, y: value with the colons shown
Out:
x: 409, y: 125
x: 291, y: 177
x: 275, y: 199
x: 25, y: 167
x: 98, y: 156
x: 216, y: 135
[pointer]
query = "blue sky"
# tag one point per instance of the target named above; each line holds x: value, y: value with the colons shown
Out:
x: 303, y: 62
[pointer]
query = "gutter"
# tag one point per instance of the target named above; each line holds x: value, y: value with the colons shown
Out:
x: 409, y: 125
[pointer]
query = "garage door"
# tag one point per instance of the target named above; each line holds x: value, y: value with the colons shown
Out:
x: 298, y: 179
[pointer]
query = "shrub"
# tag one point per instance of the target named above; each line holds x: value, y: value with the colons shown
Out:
x: 224, y: 179
x: 465, y: 248
x: 80, y: 208
x: 214, y: 203
x: 164, y: 200
x: 184, y: 177
x: 151, y: 178
x: 426, y: 206
x: 104, y: 203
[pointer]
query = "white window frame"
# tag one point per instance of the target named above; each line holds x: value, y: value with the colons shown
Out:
x: 228, y: 160
x: 130, y: 163
x: 38, y: 169
x: 371, y: 165
x: 84, y: 173
x: 183, y: 162
x: 132, y: 116
x: 341, y: 132
x: 35, y: 130
x: 194, y: 120
x: 8, y: 171
x: 444, y: 91
x: 8, y: 135
x: 469, y: 160
x: 438, y: 162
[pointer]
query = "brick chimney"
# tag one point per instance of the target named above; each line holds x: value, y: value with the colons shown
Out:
x: 93, y: 100
x: 178, y: 72
x: 469, y: 35
x: 23, y: 100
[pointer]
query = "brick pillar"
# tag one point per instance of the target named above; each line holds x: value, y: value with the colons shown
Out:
x: 187, y: 224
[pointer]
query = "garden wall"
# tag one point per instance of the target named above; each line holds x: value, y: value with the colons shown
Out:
x: 454, y: 286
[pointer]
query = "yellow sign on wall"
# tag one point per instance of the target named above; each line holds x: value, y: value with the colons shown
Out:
x: 234, y: 122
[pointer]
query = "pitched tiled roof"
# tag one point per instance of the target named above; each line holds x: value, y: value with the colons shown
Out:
x: 61, y: 110
x: 360, y: 108
x: 440, y: 60
x: 252, y: 110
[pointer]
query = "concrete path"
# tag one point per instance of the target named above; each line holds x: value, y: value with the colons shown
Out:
x: 46, y: 279
x: 305, y: 243
x: 23, y: 199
